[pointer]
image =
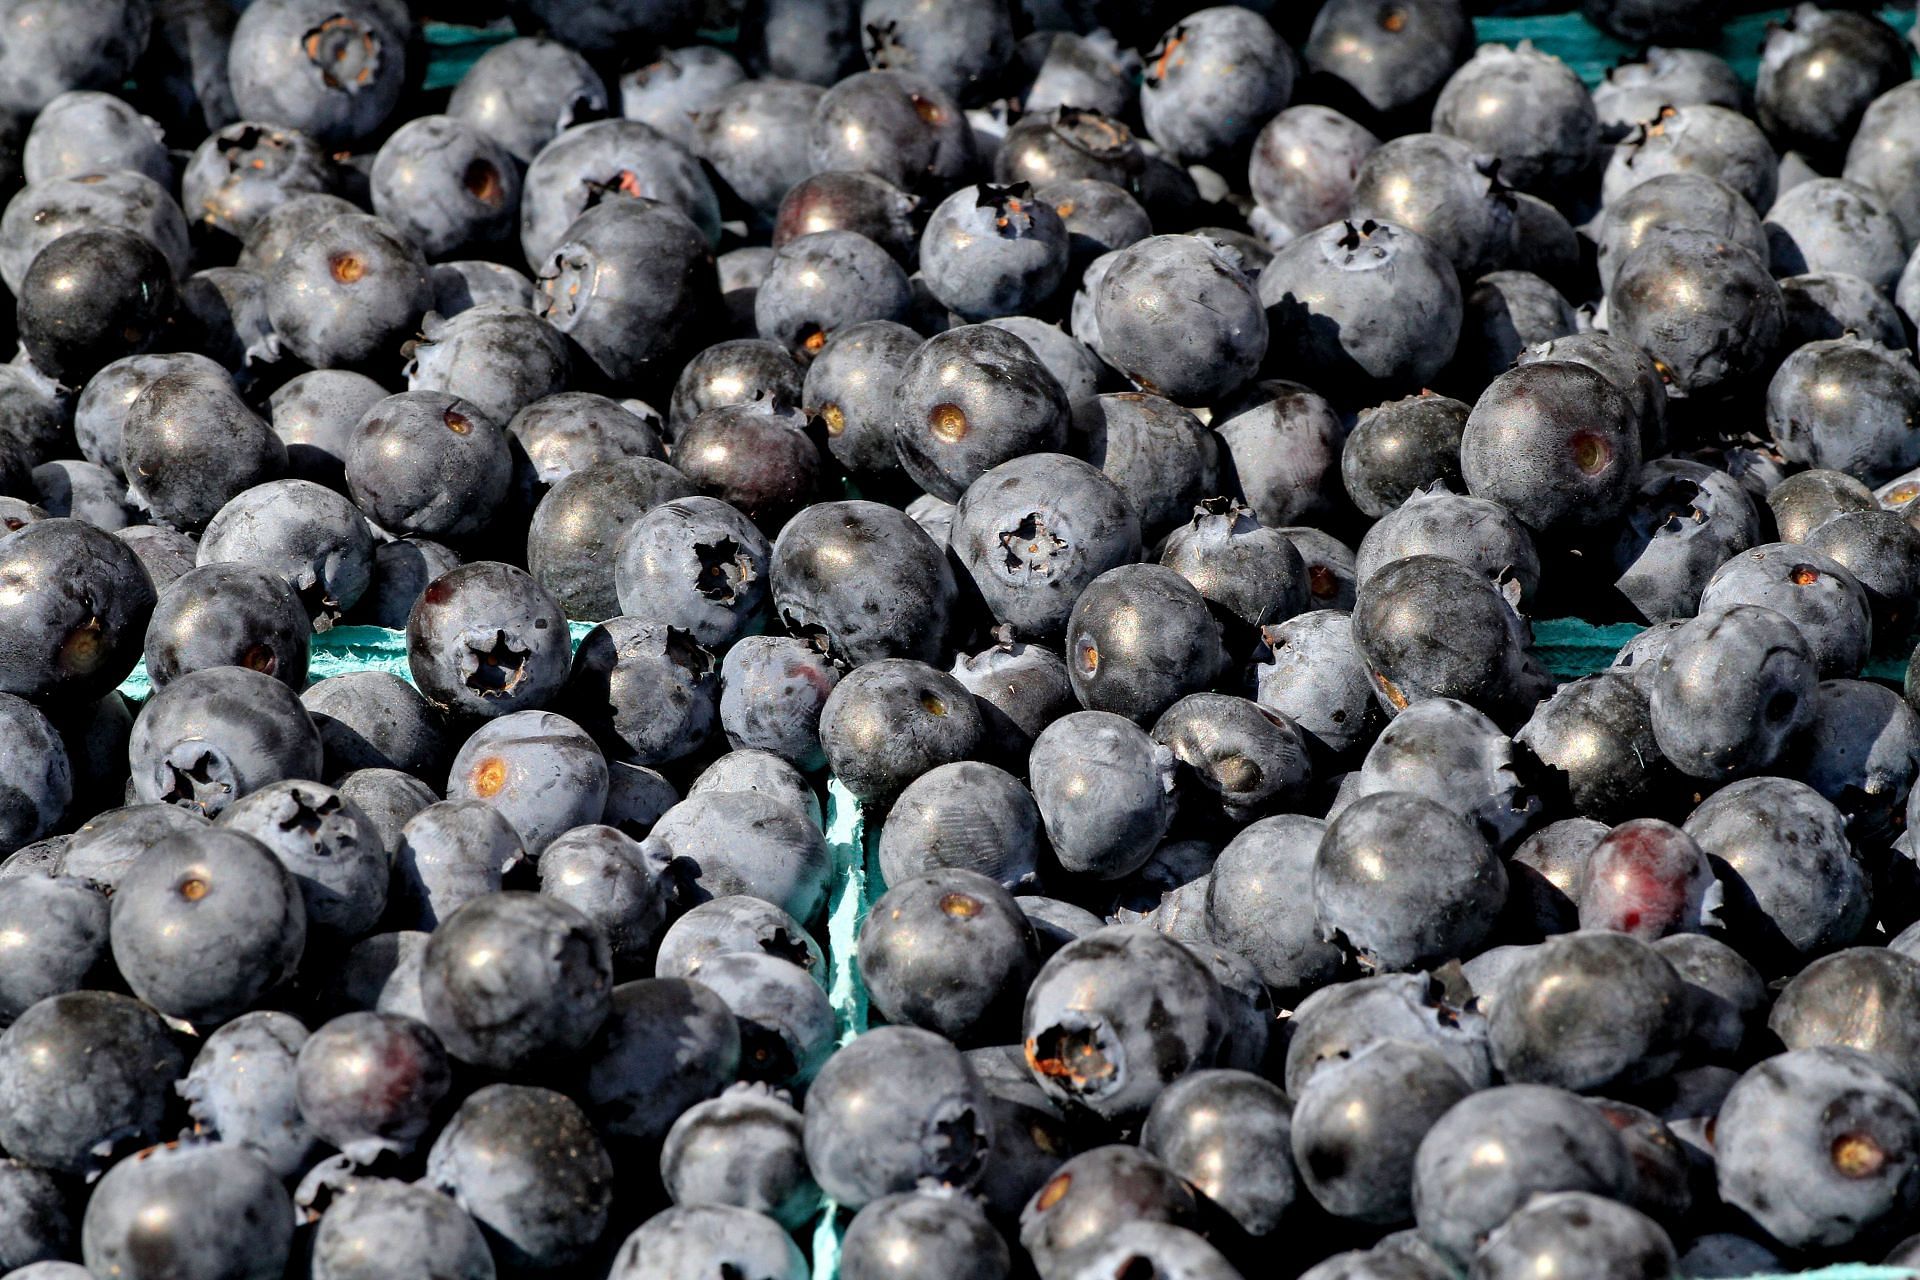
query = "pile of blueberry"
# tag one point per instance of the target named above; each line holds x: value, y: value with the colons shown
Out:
x: 1121, y: 446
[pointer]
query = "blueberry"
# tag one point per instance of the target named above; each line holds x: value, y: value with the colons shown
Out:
x: 382, y: 973
x: 46, y: 56
x: 1404, y: 610
x: 1824, y: 601
x: 53, y: 208
x: 373, y: 720
x: 336, y: 75
x: 1092, y: 70
x: 604, y: 162
x: 1021, y: 688
x: 314, y: 415
x: 1238, y: 757
x: 729, y: 842
x: 1081, y: 1209
x: 970, y: 399
x: 1819, y: 72
x: 448, y: 854
x: 1140, y: 637
x: 786, y: 722
x: 212, y: 736
x: 1303, y: 166
x: 1443, y: 189
x: 1397, y: 449
x: 83, y: 490
x: 628, y: 281
x: 369, y: 1082
x: 525, y: 92
x: 1227, y: 1133
x: 1525, y: 108
x: 1810, y: 1010
x: 1258, y: 903
x: 722, y: 926
x: 350, y: 294
x: 36, y: 774
x: 189, y: 445
x: 1590, y: 1010
x: 203, y: 1208
x: 313, y: 538
x: 55, y: 931
x: 388, y: 1228
x: 786, y: 1023
x: 241, y: 1091
x: 102, y: 406
x: 1475, y: 531
x: 37, y: 1228
x: 947, y: 950
x: 485, y: 640
x: 246, y: 170
x: 1554, y: 441
x: 387, y: 796
x: 206, y: 924
x: 755, y: 137
x: 1682, y: 523
x: 849, y: 200
x: 965, y: 815
x: 603, y: 873
x: 1115, y: 1017
x: 1486, y: 1157
x: 1829, y: 224
x: 993, y: 251
x: 896, y: 125
x: 1579, y: 1229
x: 1729, y: 689
x: 1843, y: 404
x: 402, y: 571
x: 91, y: 297
x: 1104, y: 790
x: 1818, y: 1146
x: 705, y: 1239
x: 1806, y: 500
x: 277, y: 229
x: 1635, y: 91
x: 761, y: 772
x: 680, y: 85
x: 1861, y: 752
x: 468, y: 283
x: 585, y: 513
x: 499, y: 358
x: 849, y: 386
x: 1596, y: 735
x: 666, y: 1045
x: 166, y: 554
x: 1443, y: 911
x: 736, y: 372
x: 1184, y: 282
x: 103, y: 848
x: 1393, y: 63
x: 570, y: 431
x: 923, y: 1235
x: 1702, y: 307
x: 1793, y: 886
x: 333, y: 850
x: 1159, y: 454
x: 1826, y: 304
x: 646, y: 691
x: 529, y: 1168
x: 891, y: 1108
x: 1366, y: 304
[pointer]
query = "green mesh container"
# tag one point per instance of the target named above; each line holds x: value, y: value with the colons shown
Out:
x: 1569, y: 648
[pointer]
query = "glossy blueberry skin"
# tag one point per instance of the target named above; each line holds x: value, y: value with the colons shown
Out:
x: 1227, y: 1133
x: 1183, y: 285
x: 447, y: 185
x: 1310, y: 671
x: 514, y: 980
x: 1682, y: 523
x: 1551, y: 1141
x: 755, y: 137
x: 1212, y: 80
x: 1879, y: 549
x: 738, y: 371
x: 485, y: 640
x: 1850, y: 59
x: 629, y: 281
x: 46, y: 56
x: 314, y: 415
x: 337, y: 76
x: 1882, y: 148
x: 388, y: 1229
x: 387, y: 796
x: 102, y: 849
x: 189, y: 444
x: 1021, y: 689
x: 1443, y: 910
x: 1258, y: 903
x: 588, y: 163
x: 36, y: 774
x: 449, y: 854
x: 1443, y: 189
x: 866, y: 578
x: 1861, y: 751
x: 500, y: 358
x: 1366, y: 305
x: 210, y: 737
x: 1091, y: 754
x: 462, y: 285
x: 823, y: 283
x: 1831, y: 225
x: 605, y: 874
x: 970, y: 399
x: 1806, y: 500
x: 1237, y: 759
x: 1140, y: 638
x: 55, y: 207
x: 1793, y: 888
x: 759, y: 457
x: 57, y: 931
x: 241, y: 1091
x: 1388, y: 69
x: 849, y: 200
x: 721, y: 926
x: 667, y: 1044
x: 921, y: 1235
x: 646, y: 692
x: 541, y: 770
x: 1095, y: 1195
x: 949, y: 951
x: 1576, y: 1228
x: 334, y: 851
x: 891, y: 1107
x: 1399, y: 448
x: 786, y: 1024
x: 312, y: 537
x: 1818, y: 1145
x: 93, y: 296
x: 1116, y: 1016
x: 1714, y: 141
x: 36, y: 1225
x: 528, y: 1167
x: 1161, y: 457
x: 1596, y: 735
x: 1843, y: 404
x: 742, y: 1149
x: 1303, y: 165
x: 87, y: 1073
x: 402, y: 571
x: 525, y: 92
x: 1587, y: 1011
x: 993, y: 251
x: 1730, y: 688
x: 206, y: 924
x: 1555, y: 442
x: 570, y: 431
x: 702, y: 1238
x: 428, y: 463
x: 369, y: 1082
x: 350, y: 294
x: 1399, y: 617
x: 1525, y: 108
x: 102, y: 405
x: 166, y: 554
x: 849, y: 386
x: 1475, y: 531
x: 1703, y: 307
x: 966, y: 815
x: 223, y: 312
x: 1100, y: 217
x: 1821, y: 598
x: 772, y: 689
x: 374, y: 720
x: 208, y: 1209
x: 729, y: 842
x: 1449, y: 752
x: 896, y: 125
x: 1861, y: 998
x: 581, y: 520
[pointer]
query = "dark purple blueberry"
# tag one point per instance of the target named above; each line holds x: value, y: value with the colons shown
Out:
x: 500, y: 358
x: 525, y: 92
x: 1577, y: 1230
x: 314, y: 415
x: 1452, y: 753
x: 540, y: 770
x: 721, y: 843
x: 386, y: 1224
x: 369, y: 1083
x: 189, y: 444
x: 485, y: 640
x: 1475, y: 531
x: 1818, y: 73
x: 241, y: 1090
x: 1237, y: 757
x: 1716, y: 142
x: 1212, y: 80
x: 1844, y: 404
x: 736, y: 372
x: 402, y: 571
x: 1704, y: 308
x: 965, y: 815
x: 374, y: 720
x: 1589, y: 1011
x: 1021, y: 688
x: 646, y: 691
x: 863, y: 578
x: 1882, y: 551
x: 924, y: 1235
x: 1390, y: 59
x: 1861, y: 751
x: 755, y: 137
x: 1729, y: 689
x: 970, y: 399
x: 1831, y: 225
x: 350, y: 294
x: 741, y: 1149
x: 1309, y: 670
x: 849, y: 387
x: 850, y: 200
x: 55, y: 207
x: 214, y: 735
x: 696, y: 564
x: 333, y: 850
x: 888, y: 722
x: 1341, y: 1019
x: 213, y: 1209
x: 771, y: 691
x: 1180, y: 320
x: 1398, y: 448
x: 1525, y: 108
x: 1556, y: 443
x: 1672, y: 202
x: 609, y: 161
x: 1595, y: 736
x: 312, y: 538
x: 758, y: 457
x: 667, y: 1044
x: 1159, y: 454
x: 585, y: 513
x: 993, y: 251
x: 55, y: 929
x: 1094, y: 1197
x: 896, y: 125
x: 337, y: 75
x: 1099, y: 218
x: 91, y: 297
x: 824, y: 282
x: 1824, y: 601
